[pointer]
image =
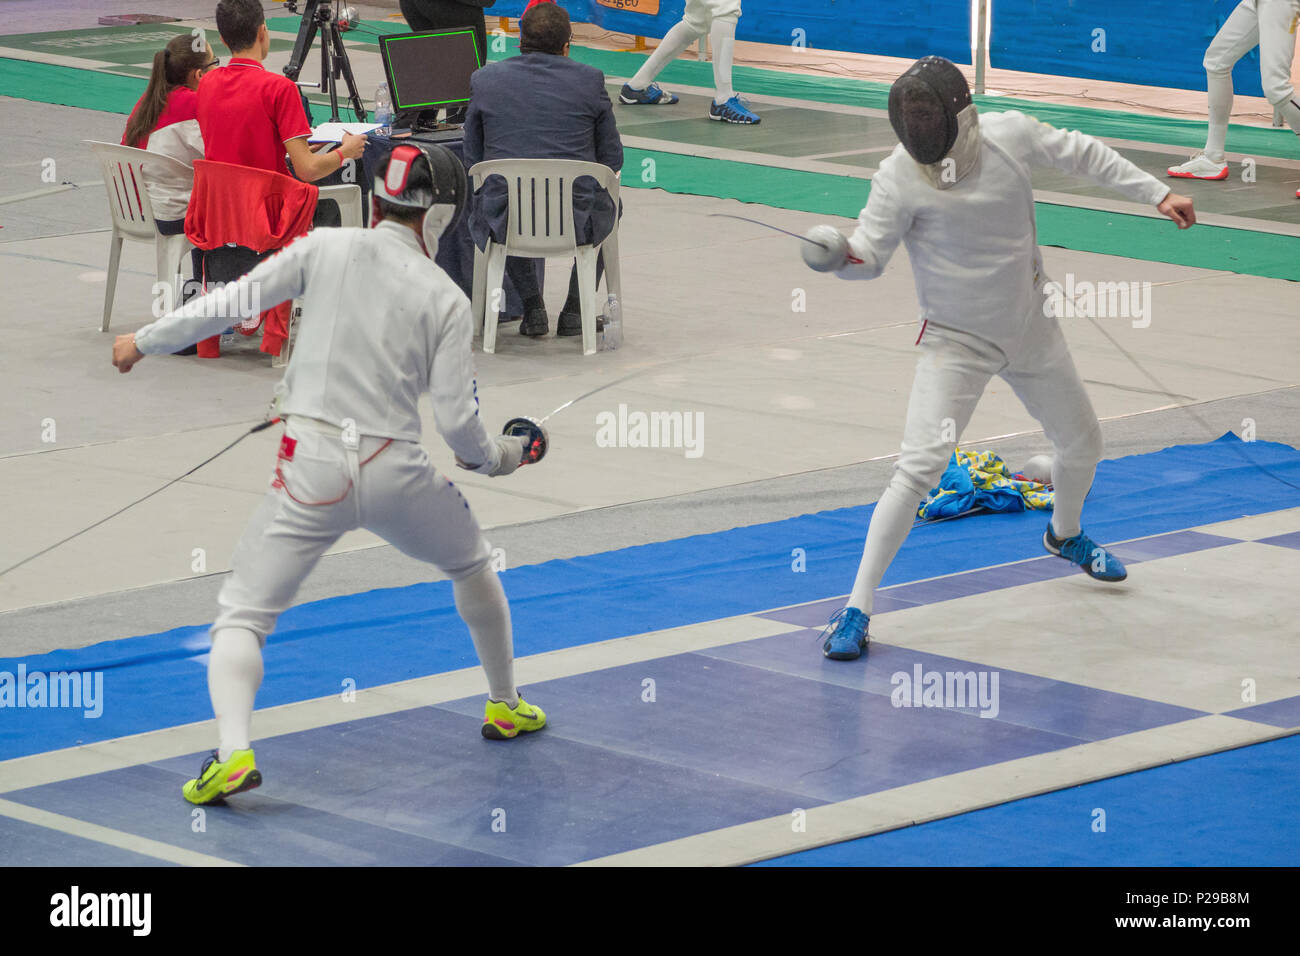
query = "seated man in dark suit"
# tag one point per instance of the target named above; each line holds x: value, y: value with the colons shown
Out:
x: 542, y: 105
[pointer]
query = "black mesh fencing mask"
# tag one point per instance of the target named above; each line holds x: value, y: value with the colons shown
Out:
x: 425, y: 177
x: 923, y: 107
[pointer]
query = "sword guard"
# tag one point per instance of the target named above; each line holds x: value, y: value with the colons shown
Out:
x: 537, y: 440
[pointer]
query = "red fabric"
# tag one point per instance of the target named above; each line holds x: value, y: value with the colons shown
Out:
x: 254, y: 208
x: 533, y: 3
x: 250, y: 207
x: 182, y: 104
x: 246, y: 114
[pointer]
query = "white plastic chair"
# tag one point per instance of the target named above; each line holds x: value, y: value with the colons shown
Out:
x: 125, y: 172
x: 348, y: 196
x: 540, y: 225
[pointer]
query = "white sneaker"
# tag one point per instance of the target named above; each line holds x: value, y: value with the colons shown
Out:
x: 1200, y: 167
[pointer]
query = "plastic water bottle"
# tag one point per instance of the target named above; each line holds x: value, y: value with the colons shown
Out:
x: 383, y: 110
x: 611, y: 324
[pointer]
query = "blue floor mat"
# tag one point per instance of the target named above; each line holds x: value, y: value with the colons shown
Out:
x: 389, y: 635
x: 1237, y: 808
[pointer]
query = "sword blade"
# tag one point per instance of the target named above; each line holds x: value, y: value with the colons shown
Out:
x: 601, y: 388
x: 765, y: 225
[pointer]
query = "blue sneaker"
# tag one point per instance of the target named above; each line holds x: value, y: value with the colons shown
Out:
x: 735, y: 110
x: 652, y: 95
x: 849, y: 639
x: 1087, y: 554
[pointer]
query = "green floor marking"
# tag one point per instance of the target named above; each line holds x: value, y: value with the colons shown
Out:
x: 805, y: 132
x: 122, y: 45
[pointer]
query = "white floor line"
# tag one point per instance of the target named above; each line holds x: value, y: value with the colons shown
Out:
x: 20, y: 773
x: 762, y: 839
x: 1114, y: 142
x: 951, y: 795
x: 815, y: 164
x: 109, y: 836
x: 750, y: 157
x: 55, y: 59
x: 1106, y: 204
x: 491, y: 527
x: 1007, y: 564
x: 844, y: 152
x: 119, y: 752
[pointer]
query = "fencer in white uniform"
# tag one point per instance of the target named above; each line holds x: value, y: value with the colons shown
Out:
x: 380, y: 326
x: 718, y: 19
x: 957, y: 193
x: 1271, y: 25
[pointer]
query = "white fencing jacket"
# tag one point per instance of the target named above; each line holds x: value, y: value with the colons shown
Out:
x: 974, y: 246
x: 381, y: 324
x: 169, y: 193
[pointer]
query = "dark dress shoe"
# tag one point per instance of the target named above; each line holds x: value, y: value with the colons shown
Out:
x: 534, y: 323
x: 570, y: 323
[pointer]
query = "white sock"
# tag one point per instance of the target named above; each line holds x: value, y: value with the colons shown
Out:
x: 234, y: 674
x: 723, y: 38
x: 890, y: 523
x: 1070, y: 486
x: 1290, y: 111
x: 1220, y: 92
x: 672, y: 46
x: 481, y: 601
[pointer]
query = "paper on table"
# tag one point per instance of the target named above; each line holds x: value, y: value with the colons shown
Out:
x: 333, y: 132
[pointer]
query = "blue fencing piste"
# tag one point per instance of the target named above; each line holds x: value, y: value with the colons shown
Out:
x: 1153, y: 44
x: 912, y: 29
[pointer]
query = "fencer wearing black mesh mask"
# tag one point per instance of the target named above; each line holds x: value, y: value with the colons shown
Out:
x: 381, y: 325
x: 934, y: 118
x: 957, y: 193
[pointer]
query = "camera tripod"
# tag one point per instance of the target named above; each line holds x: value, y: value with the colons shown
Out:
x: 334, y: 63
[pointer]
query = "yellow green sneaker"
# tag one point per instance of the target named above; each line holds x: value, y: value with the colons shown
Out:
x: 220, y: 779
x: 501, y: 722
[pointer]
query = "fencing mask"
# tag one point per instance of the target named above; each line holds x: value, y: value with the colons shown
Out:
x: 931, y: 111
x: 424, y: 177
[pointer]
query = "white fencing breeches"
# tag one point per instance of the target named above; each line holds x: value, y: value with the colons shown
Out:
x: 1268, y: 24
x: 951, y: 374
x: 716, y: 17
x: 700, y: 14
x: 326, y: 489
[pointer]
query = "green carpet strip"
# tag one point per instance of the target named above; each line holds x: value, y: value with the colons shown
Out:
x: 1115, y: 124
x: 1087, y: 230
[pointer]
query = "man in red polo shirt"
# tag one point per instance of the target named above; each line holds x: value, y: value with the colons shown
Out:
x: 252, y: 117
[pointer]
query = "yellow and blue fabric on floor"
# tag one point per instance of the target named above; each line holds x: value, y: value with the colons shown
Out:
x: 982, y: 480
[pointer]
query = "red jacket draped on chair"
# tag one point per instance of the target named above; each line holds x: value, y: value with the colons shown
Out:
x: 255, y: 208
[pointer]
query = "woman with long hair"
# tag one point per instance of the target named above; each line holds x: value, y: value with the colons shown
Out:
x: 172, y: 91
x: 165, y: 121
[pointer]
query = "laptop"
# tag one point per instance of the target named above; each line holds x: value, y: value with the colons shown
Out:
x: 428, y: 71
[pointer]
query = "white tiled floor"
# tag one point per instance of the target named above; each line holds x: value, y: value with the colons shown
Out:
x: 1185, y: 630
x: 1122, y: 641
x: 770, y: 383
